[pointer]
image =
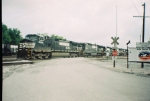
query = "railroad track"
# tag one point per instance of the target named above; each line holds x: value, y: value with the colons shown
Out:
x: 10, y: 60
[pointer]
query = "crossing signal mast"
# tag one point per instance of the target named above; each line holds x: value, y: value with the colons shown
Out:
x: 143, y: 31
x: 114, y: 52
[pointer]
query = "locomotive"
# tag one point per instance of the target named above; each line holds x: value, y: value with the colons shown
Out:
x: 94, y: 50
x: 33, y: 47
x: 43, y: 46
x: 64, y: 48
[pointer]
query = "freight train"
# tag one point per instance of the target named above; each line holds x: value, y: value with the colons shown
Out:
x: 43, y: 46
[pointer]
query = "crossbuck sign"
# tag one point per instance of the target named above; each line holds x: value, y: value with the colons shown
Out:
x: 115, y: 41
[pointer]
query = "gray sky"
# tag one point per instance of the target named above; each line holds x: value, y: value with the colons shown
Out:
x: 92, y: 21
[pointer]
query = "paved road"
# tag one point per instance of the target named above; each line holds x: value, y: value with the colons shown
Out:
x: 73, y: 79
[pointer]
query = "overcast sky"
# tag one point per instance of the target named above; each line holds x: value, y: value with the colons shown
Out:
x: 92, y: 21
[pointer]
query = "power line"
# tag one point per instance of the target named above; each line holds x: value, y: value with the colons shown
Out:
x: 141, y: 2
x: 29, y: 12
x: 136, y: 7
x: 22, y: 6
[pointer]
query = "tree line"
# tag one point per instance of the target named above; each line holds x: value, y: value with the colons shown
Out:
x: 13, y: 35
x: 10, y: 35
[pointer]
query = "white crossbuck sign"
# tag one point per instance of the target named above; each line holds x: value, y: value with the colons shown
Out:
x: 115, y: 41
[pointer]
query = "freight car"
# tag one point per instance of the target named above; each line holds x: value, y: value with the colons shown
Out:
x: 9, y: 49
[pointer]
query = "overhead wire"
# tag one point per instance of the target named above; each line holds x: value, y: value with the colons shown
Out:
x: 138, y: 13
x: 22, y: 5
x: 141, y: 2
x: 47, y: 4
x: 136, y: 8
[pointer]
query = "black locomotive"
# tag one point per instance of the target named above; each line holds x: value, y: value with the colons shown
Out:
x: 43, y: 46
x: 64, y: 48
x: 94, y: 50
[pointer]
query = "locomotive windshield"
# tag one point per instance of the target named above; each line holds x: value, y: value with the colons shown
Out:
x: 32, y: 37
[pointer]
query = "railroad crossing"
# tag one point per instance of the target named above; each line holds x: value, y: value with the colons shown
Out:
x: 114, y: 52
x: 115, y: 42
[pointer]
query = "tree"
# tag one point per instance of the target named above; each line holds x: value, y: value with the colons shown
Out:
x: 10, y: 36
x: 15, y: 35
x: 57, y: 37
x: 5, y: 35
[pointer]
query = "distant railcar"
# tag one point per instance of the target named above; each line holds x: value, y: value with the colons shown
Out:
x: 122, y: 52
x: 9, y: 49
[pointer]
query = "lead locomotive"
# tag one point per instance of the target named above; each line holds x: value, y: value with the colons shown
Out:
x: 43, y: 46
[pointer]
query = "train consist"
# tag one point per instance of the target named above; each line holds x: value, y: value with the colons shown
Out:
x: 43, y: 46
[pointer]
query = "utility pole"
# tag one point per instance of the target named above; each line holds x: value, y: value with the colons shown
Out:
x: 143, y: 23
x: 142, y: 64
x: 140, y: 38
x: 127, y: 54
